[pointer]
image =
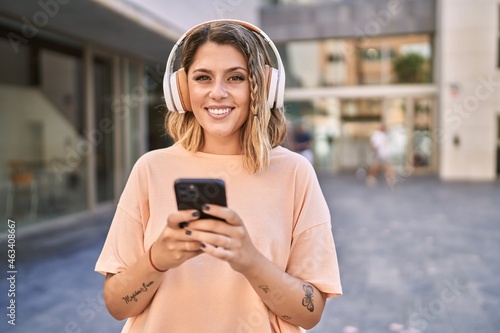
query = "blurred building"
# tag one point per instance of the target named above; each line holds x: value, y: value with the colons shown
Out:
x: 428, y: 69
x: 80, y: 86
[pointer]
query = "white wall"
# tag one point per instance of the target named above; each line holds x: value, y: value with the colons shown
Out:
x: 187, y: 13
x: 468, y: 32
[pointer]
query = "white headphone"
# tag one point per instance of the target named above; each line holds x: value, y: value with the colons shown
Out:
x: 175, y: 86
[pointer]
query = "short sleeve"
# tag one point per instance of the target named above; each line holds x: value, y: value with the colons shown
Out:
x: 123, y: 246
x: 125, y: 240
x: 313, y: 258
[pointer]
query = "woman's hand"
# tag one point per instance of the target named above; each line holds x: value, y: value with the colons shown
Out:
x: 173, y: 246
x: 227, y: 240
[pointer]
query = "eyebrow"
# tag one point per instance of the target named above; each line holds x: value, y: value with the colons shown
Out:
x: 232, y: 69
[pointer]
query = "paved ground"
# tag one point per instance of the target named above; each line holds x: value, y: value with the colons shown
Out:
x: 419, y: 257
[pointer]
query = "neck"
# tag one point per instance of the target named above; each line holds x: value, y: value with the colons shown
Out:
x: 221, y: 146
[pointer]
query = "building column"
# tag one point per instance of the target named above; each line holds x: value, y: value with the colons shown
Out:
x: 118, y: 109
x: 89, y: 102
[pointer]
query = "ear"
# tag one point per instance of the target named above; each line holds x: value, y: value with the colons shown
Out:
x: 183, y: 90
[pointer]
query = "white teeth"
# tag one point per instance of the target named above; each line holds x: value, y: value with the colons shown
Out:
x: 219, y: 111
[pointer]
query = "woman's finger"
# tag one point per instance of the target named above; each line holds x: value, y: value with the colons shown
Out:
x: 216, y: 251
x: 209, y: 237
x: 190, y: 246
x: 225, y: 213
x: 181, y: 218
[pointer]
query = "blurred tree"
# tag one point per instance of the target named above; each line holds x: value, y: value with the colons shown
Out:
x: 409, y: 68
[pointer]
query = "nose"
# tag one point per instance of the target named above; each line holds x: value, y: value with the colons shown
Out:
x: 219, y: 89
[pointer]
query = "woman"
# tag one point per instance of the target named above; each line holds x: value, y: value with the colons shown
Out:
x: 270, y: 266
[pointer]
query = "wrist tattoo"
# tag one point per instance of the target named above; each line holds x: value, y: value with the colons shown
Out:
x: 133, y: 296
x: 265, y: 288
x: 285, y: 317
x: 307, y: 301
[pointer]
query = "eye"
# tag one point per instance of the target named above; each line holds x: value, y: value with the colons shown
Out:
x: 201, y: 78
x: 237, y: 77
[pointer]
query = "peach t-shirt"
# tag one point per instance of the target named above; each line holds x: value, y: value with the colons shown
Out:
x: 283, y: 210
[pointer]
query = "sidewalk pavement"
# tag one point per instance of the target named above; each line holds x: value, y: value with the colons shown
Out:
x: 421, y: 256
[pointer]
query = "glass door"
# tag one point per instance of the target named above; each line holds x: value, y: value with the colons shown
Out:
x: 421, y: 150
x: 410, y: 122
x: 360, y: 117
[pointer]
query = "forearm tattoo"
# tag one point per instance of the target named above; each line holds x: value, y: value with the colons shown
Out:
x: 265, y: 288
x: 307, y: 301
x: 133, y: 296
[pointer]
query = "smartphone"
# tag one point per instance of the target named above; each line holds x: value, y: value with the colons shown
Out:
x: 193, y: 193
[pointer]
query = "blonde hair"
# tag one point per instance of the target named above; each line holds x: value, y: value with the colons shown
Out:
x: 264, y: 128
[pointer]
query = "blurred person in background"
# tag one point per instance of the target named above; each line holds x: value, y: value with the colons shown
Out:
x: 380, y: 144
x: 302, y: 142
x: 271, y: 264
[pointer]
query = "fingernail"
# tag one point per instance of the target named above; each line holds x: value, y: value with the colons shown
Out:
x: 202, y: 245
x: 205, y: 207
x: 182, y: 225
x: 188, y: 232
x: 196, y: 214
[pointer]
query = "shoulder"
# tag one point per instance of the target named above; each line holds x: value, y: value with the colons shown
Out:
x: 158, y: 158
x: 281, y: 152
x: 284, y: 158
x: 158, y: 155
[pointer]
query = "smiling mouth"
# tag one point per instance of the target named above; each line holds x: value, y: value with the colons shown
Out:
x: 219, y: 111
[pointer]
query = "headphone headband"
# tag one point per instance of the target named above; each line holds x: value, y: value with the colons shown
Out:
x: 174, y: 98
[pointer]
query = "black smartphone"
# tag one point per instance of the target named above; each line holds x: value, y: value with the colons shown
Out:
x: 193, y: 193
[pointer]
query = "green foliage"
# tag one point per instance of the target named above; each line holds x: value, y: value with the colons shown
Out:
x: 409, y: 68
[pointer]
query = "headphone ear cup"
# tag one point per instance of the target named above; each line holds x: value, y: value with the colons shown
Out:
x: 179, y: 92
x: 182, y: 86
x: 272, y: 76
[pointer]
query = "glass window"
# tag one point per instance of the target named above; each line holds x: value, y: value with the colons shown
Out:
x: 341, y: 128
x: 42, y: 165
x: 60, y: 88
x: 133, y: 96
x: 319, y: 119
x: 351, y: 62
